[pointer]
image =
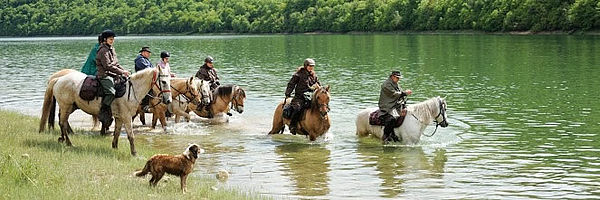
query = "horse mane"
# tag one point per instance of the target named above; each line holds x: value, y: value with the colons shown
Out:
x: 224, y: 90
x: 140, y: 74
x: 423, y: 109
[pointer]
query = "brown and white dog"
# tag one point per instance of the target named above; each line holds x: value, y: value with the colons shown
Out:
x: 179, y: 165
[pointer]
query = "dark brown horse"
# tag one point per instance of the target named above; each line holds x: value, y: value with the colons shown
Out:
x: 314, y: 121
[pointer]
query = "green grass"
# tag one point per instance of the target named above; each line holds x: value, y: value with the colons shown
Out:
x: 35, y: 166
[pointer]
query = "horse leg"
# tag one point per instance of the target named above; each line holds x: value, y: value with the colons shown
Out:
x: 154, y: 119
x: 130, y: 137
x: 116, y: 133
x: 163, y: 120
x: 64, y: 124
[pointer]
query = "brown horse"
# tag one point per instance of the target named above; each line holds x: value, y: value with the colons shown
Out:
x: 223, y: 95
x: 64, y: 90
x: 314, y: 121
x: 182, y: 88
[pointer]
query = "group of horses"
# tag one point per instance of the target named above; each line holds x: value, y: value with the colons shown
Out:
x: 183, y: 95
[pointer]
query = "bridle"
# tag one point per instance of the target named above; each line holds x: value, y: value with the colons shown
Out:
x: 320, y: 105
x: 188, y: 90
x: 443, y: 114
x: 234, y: 102
x: 155, y: 78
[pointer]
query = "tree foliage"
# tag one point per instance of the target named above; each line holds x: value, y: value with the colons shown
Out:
x: 85, y: 17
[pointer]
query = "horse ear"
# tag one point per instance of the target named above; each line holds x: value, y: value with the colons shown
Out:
x: 191, y: 80
x: 327, y: 88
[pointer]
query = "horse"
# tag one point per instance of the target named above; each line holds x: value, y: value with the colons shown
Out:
x: 314, y: 121
x: 65, y: 91
x: 180, y: 103
x: 222, y: 96
x: 183, y: 90
x: 418, y: 116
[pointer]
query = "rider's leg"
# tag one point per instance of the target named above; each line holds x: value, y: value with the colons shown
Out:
x: 105, y: 115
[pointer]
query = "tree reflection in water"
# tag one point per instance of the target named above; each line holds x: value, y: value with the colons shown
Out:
x: 307, y: 165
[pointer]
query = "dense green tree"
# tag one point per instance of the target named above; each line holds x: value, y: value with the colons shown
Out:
x: 86, y: 17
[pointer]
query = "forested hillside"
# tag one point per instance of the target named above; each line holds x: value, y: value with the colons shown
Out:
x: 85, y: 17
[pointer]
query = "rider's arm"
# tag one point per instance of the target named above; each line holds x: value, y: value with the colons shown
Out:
x: 389, y: 90
x: 291, y: 85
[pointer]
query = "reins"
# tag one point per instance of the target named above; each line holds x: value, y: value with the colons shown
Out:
x: 437, y: 124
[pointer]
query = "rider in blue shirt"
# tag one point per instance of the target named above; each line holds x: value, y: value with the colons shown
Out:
x: 143, y: 59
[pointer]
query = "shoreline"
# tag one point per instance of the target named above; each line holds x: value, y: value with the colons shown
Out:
x: 405, y: 32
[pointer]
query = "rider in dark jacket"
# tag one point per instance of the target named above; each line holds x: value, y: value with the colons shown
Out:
x: 389, y: 98
x: 208, y: 73
x: 304, y: 80
x: 108, y: 68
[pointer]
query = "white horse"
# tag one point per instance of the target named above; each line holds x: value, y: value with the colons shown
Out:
x: 180, y: 102
x: 65, y: 91
x: 418, y: 116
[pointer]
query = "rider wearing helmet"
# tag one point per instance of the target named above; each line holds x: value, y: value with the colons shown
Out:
x: 208, y: 73
x: 163, y: 63
x: 108, y: 68
x: 389, y: 96
x: 304, y: 80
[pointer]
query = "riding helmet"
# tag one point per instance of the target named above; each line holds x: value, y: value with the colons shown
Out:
x: 164, y: 54
x: 209, y: 59
x: 107, y: 33
x: 309, y: 61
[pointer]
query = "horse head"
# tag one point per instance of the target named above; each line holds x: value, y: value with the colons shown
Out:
x: 321, y: 100
x: 204, y: 91
x: 443, y: 122
x: 237, y: 101
x: 163, y: 82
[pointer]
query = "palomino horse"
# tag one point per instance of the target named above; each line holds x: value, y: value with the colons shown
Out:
x: 418, y: 116
x: 183, y: 88
x: 65, y: 91
x: 222, y: 96
x: 314, y: 121
x: 180, y: 103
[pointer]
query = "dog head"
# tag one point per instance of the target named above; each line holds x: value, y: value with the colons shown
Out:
x: 192, y: 151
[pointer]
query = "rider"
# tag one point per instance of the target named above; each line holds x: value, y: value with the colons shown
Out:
x: 389, y: 96
x: 108, y: 68
x: 142, y: 62
x: 163, y: 63
x: 304, y: 80
x: 208, y: 73
x: 89, y: 67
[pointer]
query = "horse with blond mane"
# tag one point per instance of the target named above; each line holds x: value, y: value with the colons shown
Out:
x: 314, y: 121
x: 64, y: 90
x: 225, y: 97
x: 418, y: 117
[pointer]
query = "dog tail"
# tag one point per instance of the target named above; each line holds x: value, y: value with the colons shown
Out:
x: 144, y: 171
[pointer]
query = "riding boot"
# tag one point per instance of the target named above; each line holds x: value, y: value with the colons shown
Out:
x: 105, y: 115
x: 210, y: 114
x: 294, y: 122
x: 388, y: 130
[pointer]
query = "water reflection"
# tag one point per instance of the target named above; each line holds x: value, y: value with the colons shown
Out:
x: 307, y: 165
x: 397, y: 166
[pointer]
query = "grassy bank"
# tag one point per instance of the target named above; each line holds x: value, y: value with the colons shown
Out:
x: 35, y: 166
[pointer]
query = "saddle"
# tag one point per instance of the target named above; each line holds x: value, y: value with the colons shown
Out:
x: 91, y: 88
x: 375, y: 118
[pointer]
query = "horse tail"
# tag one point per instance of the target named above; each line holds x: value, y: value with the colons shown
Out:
x: 362, y: 123
x: 48, y: 106
x: 278, y: 125
x: 146, y: 169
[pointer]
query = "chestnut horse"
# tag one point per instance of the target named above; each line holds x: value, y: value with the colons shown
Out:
x: 223, y: 95
x: 64, y: 90
x: 315, y: 119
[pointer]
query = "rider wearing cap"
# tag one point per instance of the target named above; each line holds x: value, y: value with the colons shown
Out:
x: 304, y: 80
x: 143, y: 59
x: 108, y: 68
x: 389, y: 96
x: 208, y: 73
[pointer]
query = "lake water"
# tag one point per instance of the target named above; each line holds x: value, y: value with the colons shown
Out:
x: 523, y: 111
